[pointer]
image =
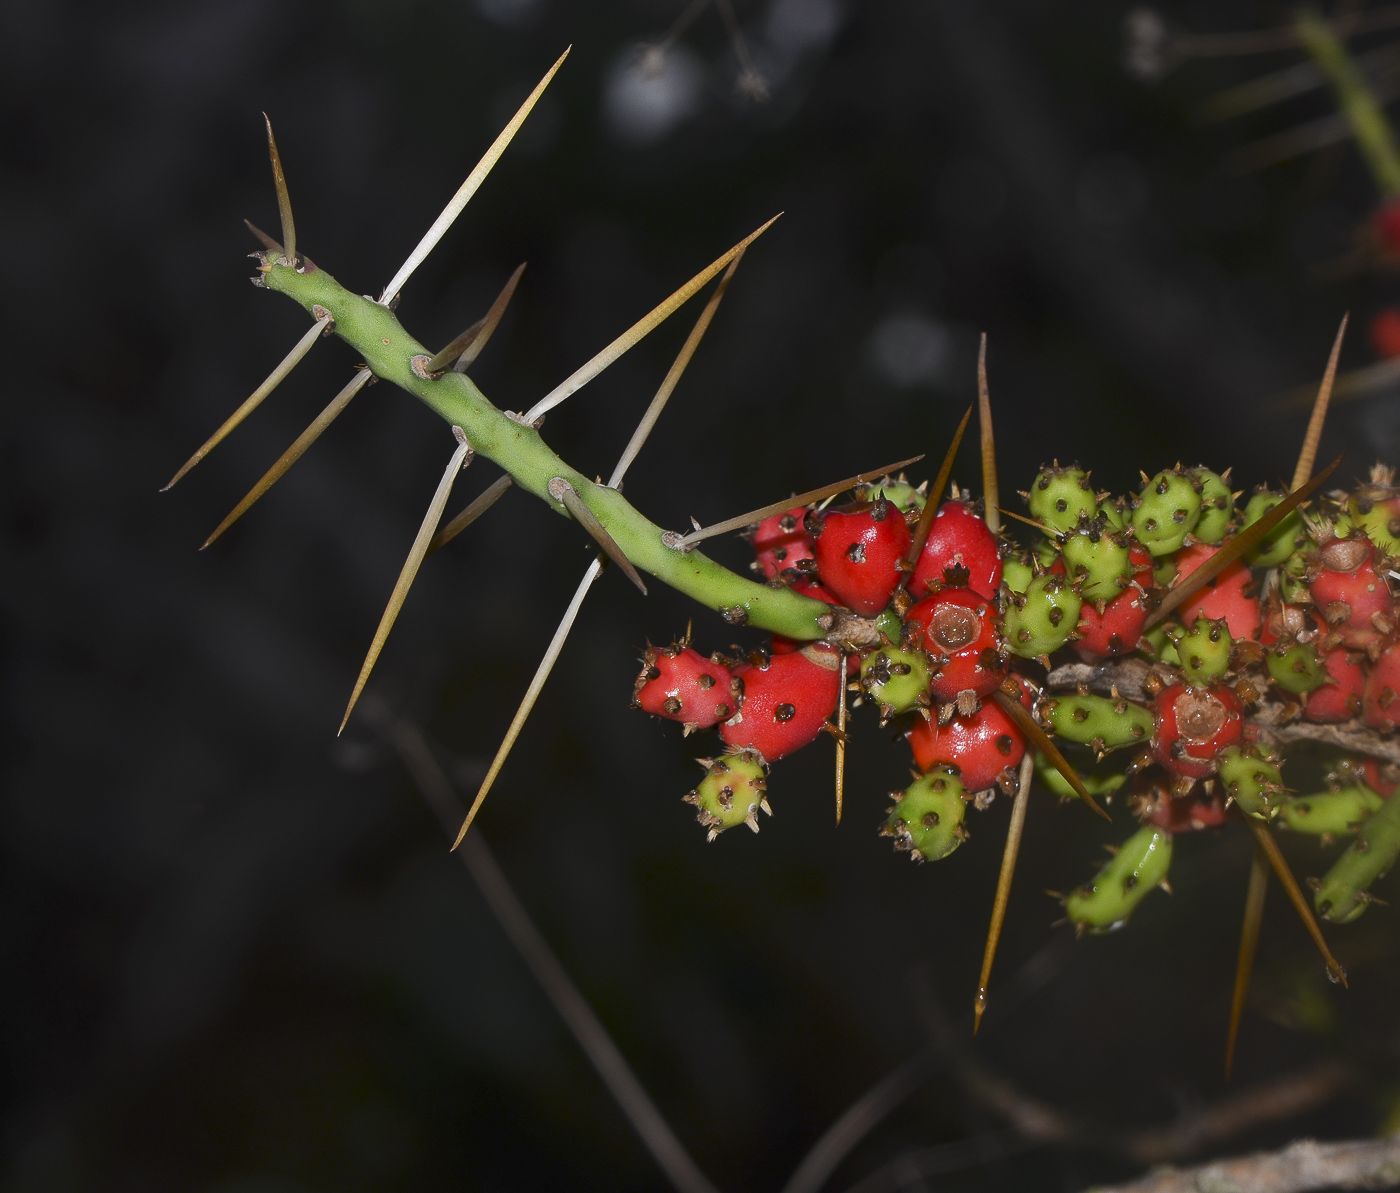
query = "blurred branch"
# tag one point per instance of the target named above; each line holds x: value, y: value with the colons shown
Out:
x: 587, y: 1029
x: 1304, y: 1165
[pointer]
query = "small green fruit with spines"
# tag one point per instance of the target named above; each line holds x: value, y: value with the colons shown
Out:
x: 1097, y: 720
x: 1016, y: 573
x: 732, y: 792
x: 1166, y: 511
x: 1345, y: 891
x: 1296, y: 669
x: 1217, y: 505
x: 1095, y: 784
x: 1139, y: 866
x: 1115, y: 511
x: 889, y: 625
x: 1204, y: 650
x: 1330, y: 813
x: 899, y: 493
x: 1251, y: 779
x: 1283, y: 540
x: 1096, y: 559
x: 1059, y: 496
x: 1040, y: 620
x: 897, y: 680
x: 927, y: 822
x: 1163, y: 648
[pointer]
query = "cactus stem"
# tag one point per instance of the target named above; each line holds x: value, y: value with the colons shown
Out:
x: 673, y: 376
x: 468, y: 188
x: 460, y: 459
x: 1008, y: 870
x: 288, y: 248
x: 840, y: 736
x: 935, y: 496
x: 532, y: 694
x: 1249, y: 941
x: 1308, y: 456
x: 1246, y: 540
x: 467, y: 347
x: 473, y: 511
x: 294, y: 453
x: 991, y: 499
x: 1265, y: 838
x: 561, y: 490
x: 639, y: 330
x: 777, y: 507
x: 254, y: 400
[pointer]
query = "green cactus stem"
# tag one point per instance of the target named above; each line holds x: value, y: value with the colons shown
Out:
x: 1330, y: 813
x: 1345, y: 892
x: 1252, y: 780
x: 1097, y: 720
x: 392, y: 354
x: 1139, y: 866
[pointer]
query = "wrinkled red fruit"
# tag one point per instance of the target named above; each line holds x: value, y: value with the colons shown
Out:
x: 782, y: 542
x: 1341, y: 699
x: 1381, y: 698
x: 1116, y: 632
x: 1385, y: 333
x: 1352, y: 596
x: 958, y: 537
x: 1152, y: 803
x: 1193, y: 726
x: 681, y: 684
x: 958, y: 629
x: 979, y: 747
x: 786, y: 703
x: 1225, y: 596
x: 858, y: 550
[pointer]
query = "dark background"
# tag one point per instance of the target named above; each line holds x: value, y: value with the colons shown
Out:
x: 236, y: 953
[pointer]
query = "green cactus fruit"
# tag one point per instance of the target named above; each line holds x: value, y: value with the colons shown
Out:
x: 897, y: 680
x: 1045, y: 552
x: 1345, y: 891
x: 1217, y: 505
x: 927, y: 822
x: 1115, y: 511
x: 1204, y: 650
x: 1140, y: 865
x: 1163, y: 648
x: 1099, y: 721
x: 1096, y: 559
x: 889, y: 625
x: 1330, y: 813
x: 731, y: 793
x: 1296, y: 669
x: 1040, y: 620
x: 1058, y: 785
x: 1058, y: 497
x: 1283, y: 540
x: 1166, y: 511
x: 1251, y: 779
x: 899, y: 493
x: 1163, y: 571
x: 1016, y: 573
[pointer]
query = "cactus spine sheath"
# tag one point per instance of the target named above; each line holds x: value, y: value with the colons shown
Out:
x: 391, y: 353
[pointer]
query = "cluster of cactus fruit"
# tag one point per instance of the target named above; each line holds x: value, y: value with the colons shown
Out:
x: 1300, y: 630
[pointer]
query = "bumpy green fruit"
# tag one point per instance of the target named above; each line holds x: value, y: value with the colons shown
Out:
x: 1095, y: 784
x: 900, y: 494
x: 928, y: 819
x: 889, y: 625
x: 1163, y: 648
x: 1166, y: 512
x: 1140, y: 865
x: 1097, y: 719
x: 1016, y: 573
x: 1046, y: 551
x: 1217, y: 505
x: 1204, y: 650
x: 1344, y: 893
x: 1059, y: 496
x: 731, y: 793
x: 1333, y: 813
x: 1163, y: 571
x: 1251, y: 780
x: 895, y: 679
x: 1041, y: 619
x: 1297, y: 669
x: 1283, y: 540
x: 1096, y: 560
x: 1379, y: 521
x: 1114, y: 511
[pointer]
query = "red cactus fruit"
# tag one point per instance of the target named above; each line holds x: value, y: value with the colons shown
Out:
x: 1385, y: 225
x: 1152, y: 802
x: 1352, y: 597
x: 1380, y: 700
x: 1114, y: 632
x: 1380, y: 779
x: 979, y: 747
x: 1341, y: 699
x: 958, y: 628
x: 681, y: 684
x: 1229, y: 595
x: 1193, y: 726
x: 1385, y: 333
x: 858, y: 550
x: 786, y: 702
x: 958, y: 537
x: 1143, y: 564
x: 781, y: 542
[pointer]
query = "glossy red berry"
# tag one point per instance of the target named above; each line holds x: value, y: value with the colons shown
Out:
x: 981, y: 747
x: 958, y: 538
x: 681, y: 684
x: 1341, y: 699
x: 786, y: 701
x: 858, y: 550
x: 1352, y: 597
x: 958, y: 629
x: 1380, y: 779
x: 1153, y: 803
x: 1193, y: 725
x: 1381, y: 697
x: 1229, y: 595
x: 1386, y: 226
x: 1114, y: 632
x: 782, y: 542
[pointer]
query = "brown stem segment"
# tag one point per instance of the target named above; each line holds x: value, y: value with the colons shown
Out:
x: 1295, y: 895
x: 1249, y: 941
x: 1003, y: 895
